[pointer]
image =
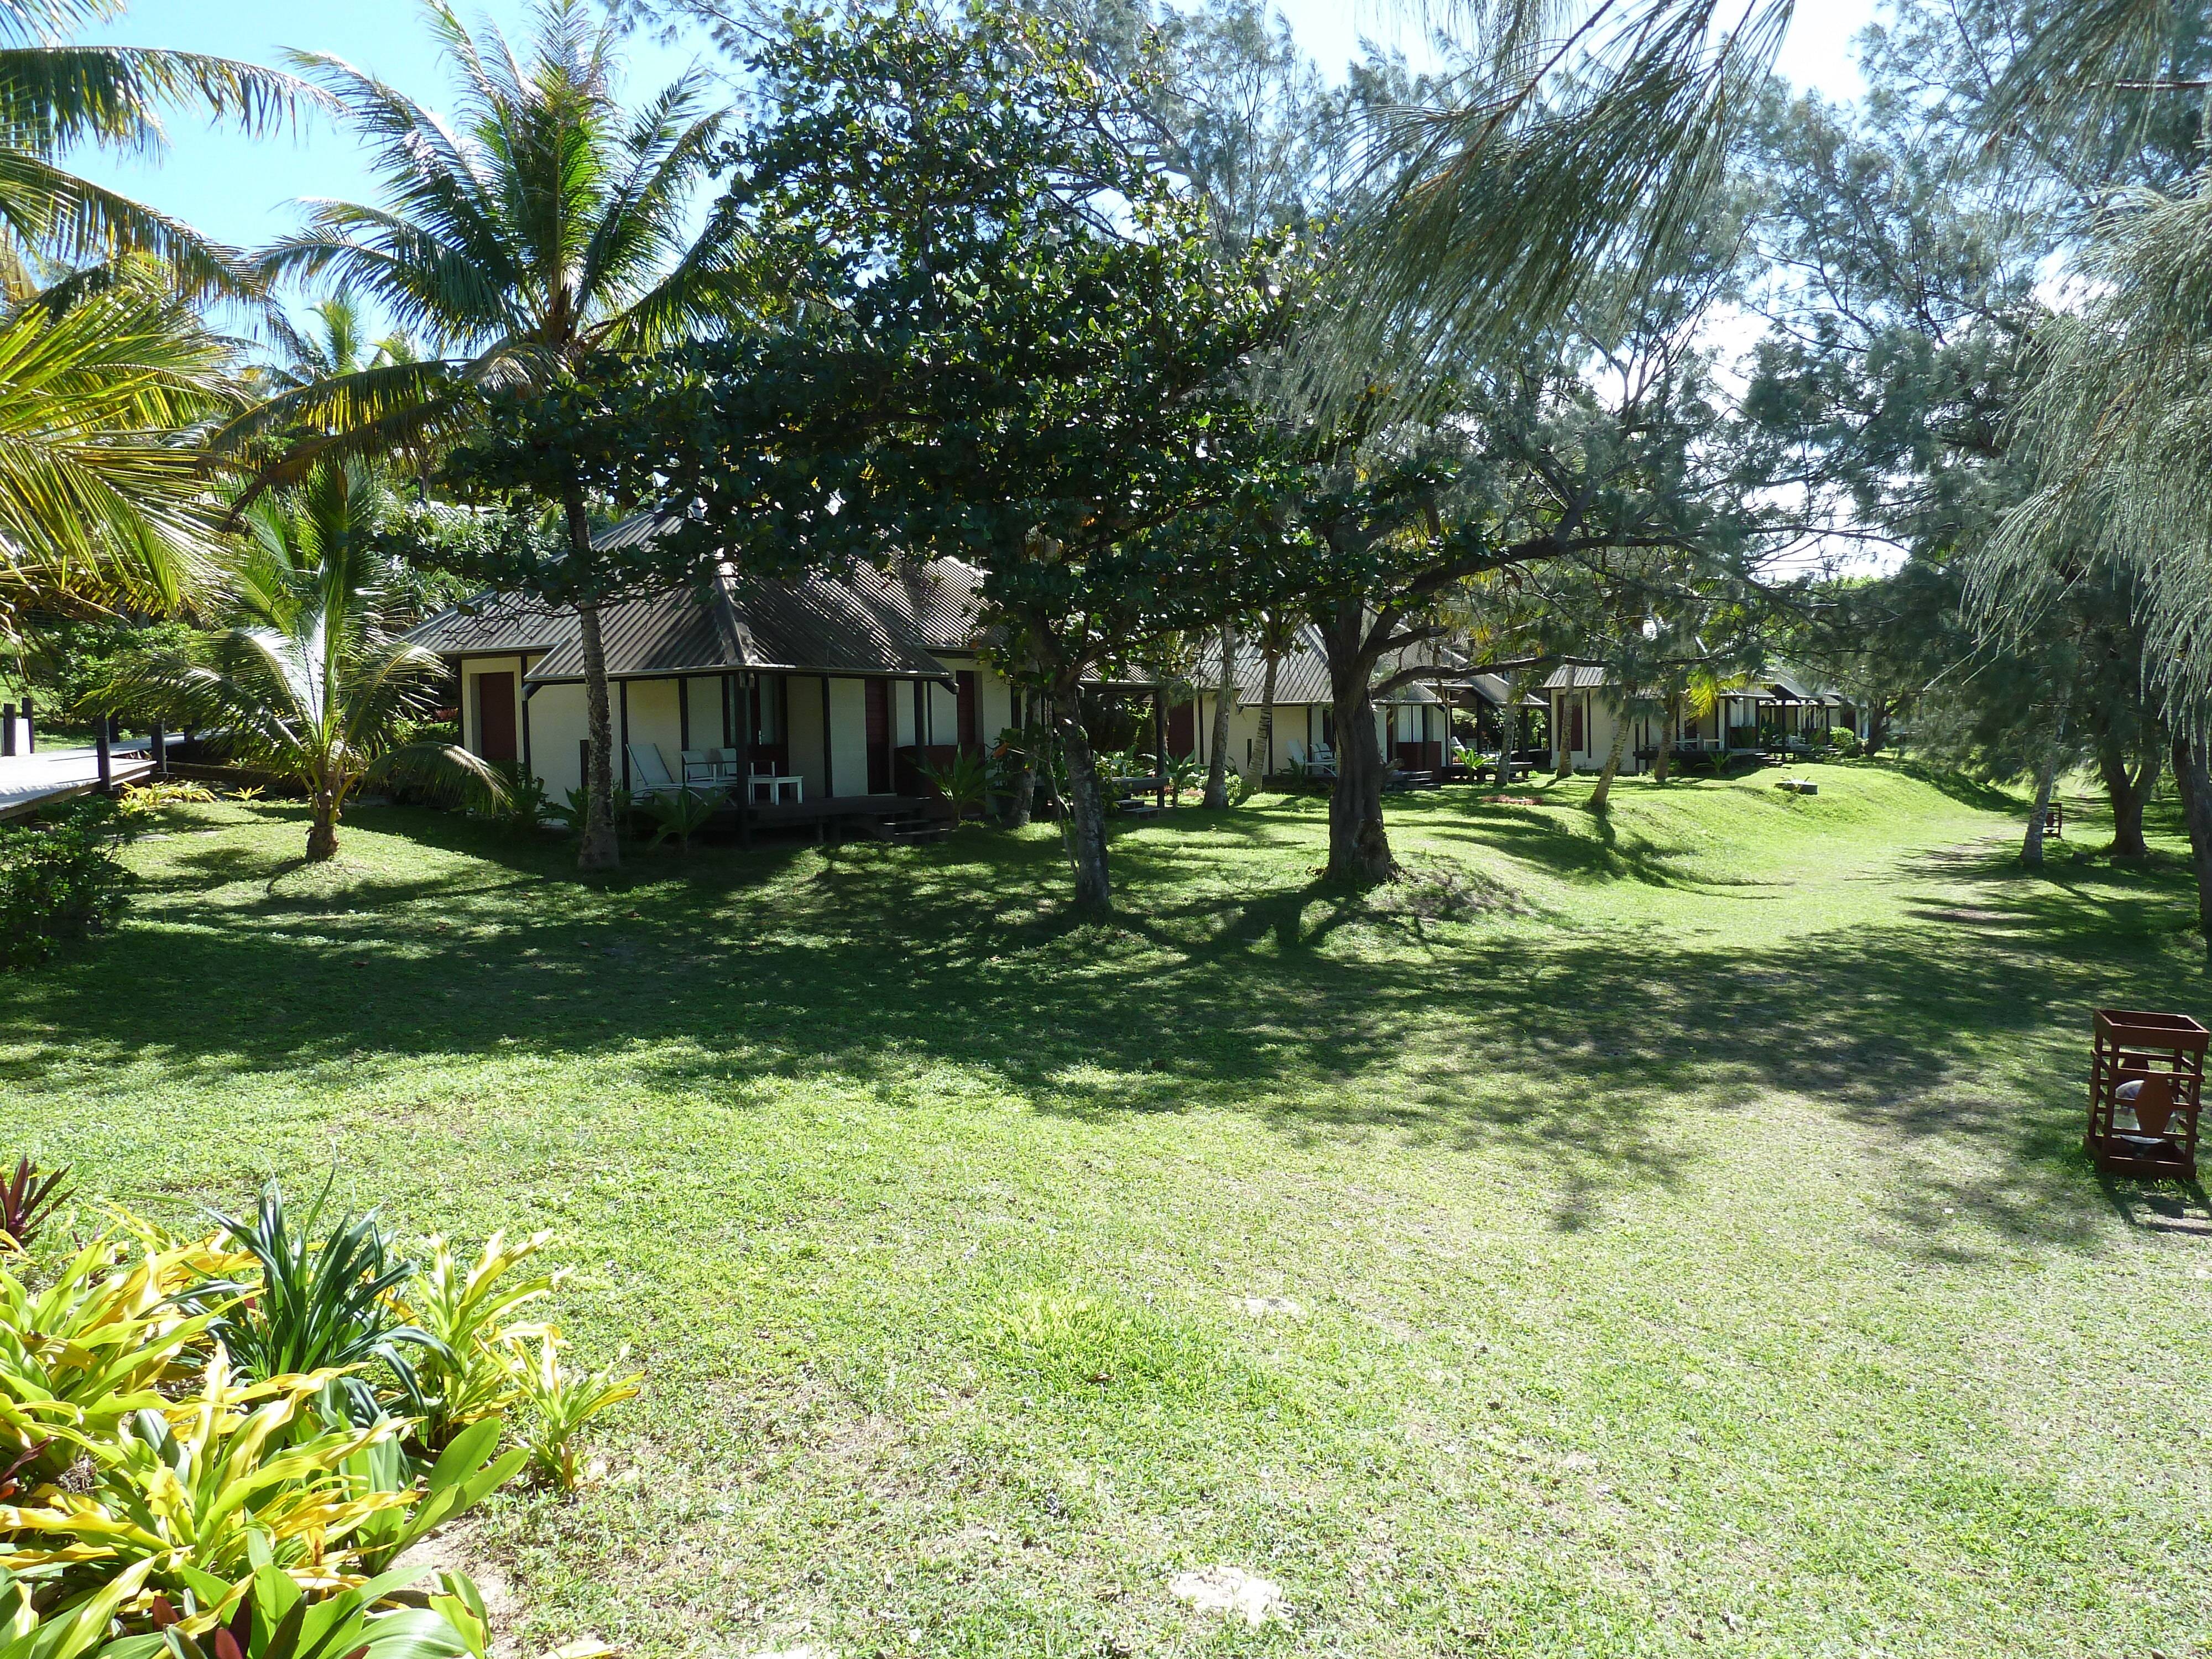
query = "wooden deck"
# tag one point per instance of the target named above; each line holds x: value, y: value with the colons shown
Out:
x: 844, y: 811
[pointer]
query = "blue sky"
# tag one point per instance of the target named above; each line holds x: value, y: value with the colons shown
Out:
x: 242, y: 193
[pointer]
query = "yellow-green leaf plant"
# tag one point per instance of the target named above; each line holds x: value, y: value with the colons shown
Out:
x: 468, y: 1310
x: 561, y: 1402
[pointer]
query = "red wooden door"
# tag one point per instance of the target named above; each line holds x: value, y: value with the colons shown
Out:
x: 1575, y: 726
x: 495, y: 717
x: 880, y: 737
x: 970, y: 737
x: 1182, y: 729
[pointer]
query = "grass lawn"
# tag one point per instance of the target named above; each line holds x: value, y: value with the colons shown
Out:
x: 1661, y: 1236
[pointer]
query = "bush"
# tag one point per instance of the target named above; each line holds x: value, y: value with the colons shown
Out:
x: 60, y: 878
x: 1844, y: 742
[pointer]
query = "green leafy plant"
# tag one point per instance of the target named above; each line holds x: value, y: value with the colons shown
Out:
x: 683, y: 813
x: 463, y: 1476
x: 964, y: 780
x: 523, y: 803
x: 273, y: 1618
x: 1184, y: 772
x: 319, y: 1306
x: 78, y: 1626
x: 561, y: 1402
x: 27, y: 1200
x: 143, y: 800
x: 470, y: 1375
x: 60, y: 878
x: 250, y: 794
x: 571, y: 813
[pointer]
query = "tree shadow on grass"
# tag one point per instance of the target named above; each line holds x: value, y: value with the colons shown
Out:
x: 1593, y: 1067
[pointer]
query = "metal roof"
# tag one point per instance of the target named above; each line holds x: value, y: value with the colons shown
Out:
x: 1302, y: 672
x: 1577, y: 676
x: 499, y: 622
x: 873, y: 622
x: 1496, y: 690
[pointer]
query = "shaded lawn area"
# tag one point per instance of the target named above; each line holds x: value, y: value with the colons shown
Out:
x: 1676, y: 1226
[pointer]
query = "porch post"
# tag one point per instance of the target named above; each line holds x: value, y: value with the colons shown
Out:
x: 623, y: 686
x: 743, y: 742
x: 683, y: 718
x: 828, y: 779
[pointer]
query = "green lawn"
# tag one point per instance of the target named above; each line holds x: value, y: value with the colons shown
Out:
x: 1689, y: 1240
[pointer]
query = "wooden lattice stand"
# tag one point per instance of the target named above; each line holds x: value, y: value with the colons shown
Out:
x: 2146, y: 1083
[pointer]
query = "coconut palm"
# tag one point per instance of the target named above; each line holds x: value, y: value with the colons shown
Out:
x: 55, y: 95
x: 541, y: 223
x: 102, y: 503
x: 306, y: 678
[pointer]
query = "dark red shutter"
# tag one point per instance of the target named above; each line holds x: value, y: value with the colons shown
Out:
x: 969, y: 736
x: 880, y: 737
x: 495, y: 717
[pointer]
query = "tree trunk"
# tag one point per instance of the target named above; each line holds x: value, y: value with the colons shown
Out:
x: 1267, y: 717
x: 1358, y: 844
x: 599, y: 849
x: 1086, y: 806
x: 1665, y: 751
x: 2129, y: 793
x: 1508, y: 733
x: 1217, y: 769
x: 2191, y: 780
x: 1603, y: 793
x: 1877, y: 729
x: 323, y: 832
x: 1024, y: 798
x: 2046, y: 780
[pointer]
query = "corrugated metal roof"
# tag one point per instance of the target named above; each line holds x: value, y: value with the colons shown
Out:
x: 1577, y: 676
x: 1302, y: 672
x: 1497, y: 690
x: 495, y: 623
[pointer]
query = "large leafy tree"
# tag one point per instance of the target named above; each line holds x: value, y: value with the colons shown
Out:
x: 539, y: 223
x: 306, y: 675
x: 1014, y: 343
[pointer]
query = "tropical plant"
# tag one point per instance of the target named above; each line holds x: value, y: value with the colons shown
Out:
x: 318, y: 1306
x: 94, y: 1346
x: 60, y: 878
x: 200, y: 1485
x: 465, y: 1474
x: 964, y: 780
x: 306, y: 678
x: 562, y: 1402
x: 1187, y: 772
x: 529, y: 221
x: 101, y: 505
x: 273, y: 1618
x: 146, y: 801
x: 28, y: 1200
x: 523, y: 803
x: 471, y: 1374
x: 576, y: 812
x: 56, y: 96
x: 682, y: 813
x: 75, y: 1628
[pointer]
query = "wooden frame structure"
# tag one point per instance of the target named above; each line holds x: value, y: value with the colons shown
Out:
x: 2146, y: 1086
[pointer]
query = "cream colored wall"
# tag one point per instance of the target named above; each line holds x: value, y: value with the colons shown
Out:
x: 652, y: 718
x: 994, y: 704
x: 703, y: 695
x: 805, y: 732
x: 848, y: 735
x: 470, y: 670
x: 557, y: 725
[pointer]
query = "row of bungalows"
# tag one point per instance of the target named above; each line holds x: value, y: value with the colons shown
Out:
x: 1773, y: 707
x: 840, y: 684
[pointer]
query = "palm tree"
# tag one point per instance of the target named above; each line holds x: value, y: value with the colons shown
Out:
x: 102, y: 502
x: 542, y: 223
x: 54, y: 94
x: 306, y: 677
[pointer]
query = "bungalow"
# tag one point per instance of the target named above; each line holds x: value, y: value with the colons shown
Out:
x: 1775, y: 704
x: 833, y: 687
x: 1413, y: 723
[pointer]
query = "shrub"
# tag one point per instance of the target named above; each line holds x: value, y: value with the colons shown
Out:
x: 964, y: 780
x: 683, y: 813
x: 144, y: 800
x: 27, y: 1202
x: 523, y: 805
x: 60, y: 878
x: 561, y: 1402
x: 1845, y: 742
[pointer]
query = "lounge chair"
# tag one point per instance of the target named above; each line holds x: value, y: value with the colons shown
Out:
x: 1322, y: 762
x: 710, y: 767
x: 648, y: 772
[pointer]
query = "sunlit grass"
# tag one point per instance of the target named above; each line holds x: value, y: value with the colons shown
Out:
x: 1623, y: 1237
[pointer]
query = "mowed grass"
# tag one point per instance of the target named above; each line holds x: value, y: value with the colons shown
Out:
x: 1662, y: 1236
